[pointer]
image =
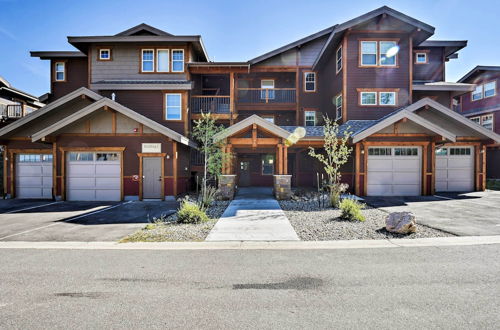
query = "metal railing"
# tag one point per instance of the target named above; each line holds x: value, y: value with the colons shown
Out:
x: 266, y: 95
x: 11, y: 111
x: 216, y: 104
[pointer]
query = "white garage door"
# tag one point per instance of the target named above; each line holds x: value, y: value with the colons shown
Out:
x: 93, y: 176
x: 455, y: 169
x: 33, y: 176
x: 394, y: 171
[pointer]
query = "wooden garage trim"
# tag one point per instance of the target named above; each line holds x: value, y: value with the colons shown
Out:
x: 64, y: 150
x: 12, y: 167
x: 143, y: 155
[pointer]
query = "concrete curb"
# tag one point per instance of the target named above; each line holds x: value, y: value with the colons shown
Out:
x: 255, y: 245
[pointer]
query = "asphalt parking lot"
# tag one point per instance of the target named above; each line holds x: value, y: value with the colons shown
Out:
x: 42, y: 220
x: 469, y: 214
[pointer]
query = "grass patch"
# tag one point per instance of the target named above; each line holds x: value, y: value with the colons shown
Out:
x: 493, y: 184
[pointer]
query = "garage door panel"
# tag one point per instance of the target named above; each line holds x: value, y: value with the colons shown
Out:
x: 441, y: 162
x: 107, y: 170
x: 81, y: 195
x: 459, y: 162
x: 108, y: 195
x: 405, y: 164
x: 380, y: 177
x: 455, y: 172
x: 81, y: 183
x: 379, y: 164
x: 81, y: 170
x: 30, y: 170
x: 460, y: 185
x: 105, y: 183
x: 406, y: 178
x: 406, y: 190
x: 379, y: 190
x: 33, y: 178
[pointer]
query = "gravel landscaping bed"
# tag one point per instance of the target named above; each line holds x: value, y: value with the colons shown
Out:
x: 314, y: 224
x: 169, y: 230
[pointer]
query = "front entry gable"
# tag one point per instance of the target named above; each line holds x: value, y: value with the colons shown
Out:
x: 247, y: 124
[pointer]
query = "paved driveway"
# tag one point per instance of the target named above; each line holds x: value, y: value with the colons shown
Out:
x: 37, y: 220
x: 470, y: 214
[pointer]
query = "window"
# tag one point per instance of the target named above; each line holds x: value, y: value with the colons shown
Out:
x: 477, y: 94
x: 60, y: 71
x: 81, y: 156
x: 26, y: 158
x: 388, y: 53
x: 368, y: 53
x: 267, y: 87
x: 148, y: 64
x: 268, y: 165
x: 309, y: 81
x: 338, y: 107
x: 105, y: 54
x: 379, y: 151
x: 269, y: 118
x: 459, y: 151
x: 487, y: 122
x: 405, y: 151
x: 441, y: 152
x: 490, y: 89
x: 178, y: 60
x: 338, y: 58
x: 421, y: 58
x: 162, y: 60
x: 173, y: 107
x: 107, y: 157
x: 477, y: 120
x: 387, y: 98
x: 368, y: 98
x: 310, y: 118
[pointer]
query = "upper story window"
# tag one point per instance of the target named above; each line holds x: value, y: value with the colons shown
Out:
x: 269, y: 118
x: 477, y: 120
x: 177, y: 60
x: 148, y: 63
x: 162, y: 60
x: 309, y: 81
x: 267, y: 86
x: 378, y: 98
x: 378, y: 53
x: 421, y: 58
x: 60, y: 71
x: 484, y: 91
x: 104, y: 54
x: 338, y: 59
x: 338, y: 107
x: 486, y: 121
x: 173, y: 107
x: 310, y: 118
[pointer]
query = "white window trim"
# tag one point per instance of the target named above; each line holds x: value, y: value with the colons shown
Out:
x: 380, y: 54
x: 109, y: 54
x: 158, y: 58
x: 166, y: 106
x: 270, y: 96
x: 142, y: 59
x: 337, y: 69
x: 380, y: 98
x: 183, y: 60
x: 494, y: 82
x: 488, y: 117
x: 376, y: 52
x: 305, y: 81
x: 267, y: 117
x: 337, y: 107
x: 478, y: 119
x: 305, y: 117
x: 368, y: 104
x: 63, y: 71
x: 425, y: 58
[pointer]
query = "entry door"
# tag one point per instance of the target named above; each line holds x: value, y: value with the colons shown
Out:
x: 244, y: 173
x: 151, y: 177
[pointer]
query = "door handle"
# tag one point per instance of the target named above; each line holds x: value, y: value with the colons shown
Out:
x: 159, y: 178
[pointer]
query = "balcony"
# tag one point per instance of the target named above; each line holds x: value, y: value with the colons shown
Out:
x: 15, y: 111
x: 266, y: 98
x: 215, y: 104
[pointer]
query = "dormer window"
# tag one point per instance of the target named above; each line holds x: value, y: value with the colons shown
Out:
x: 420, y: 58
x: 148, y: 64
x: 104, y: 54
x: 60, y: 71
x: 177, y: 60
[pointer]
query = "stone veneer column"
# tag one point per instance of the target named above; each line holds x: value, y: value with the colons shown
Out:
x: 227, y: 183
x: 282, y: 186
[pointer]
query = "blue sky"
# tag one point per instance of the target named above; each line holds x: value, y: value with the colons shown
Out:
x: 232, y: 30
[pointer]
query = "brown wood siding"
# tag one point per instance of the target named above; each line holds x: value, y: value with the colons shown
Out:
x: 310, y: 100
x: 76, y: 77
x: 442, y: 97
x: 281, y: 118
x: 469, y: 105
x: 434, y: 69
x: 330, y: 85
x: 387, y: 77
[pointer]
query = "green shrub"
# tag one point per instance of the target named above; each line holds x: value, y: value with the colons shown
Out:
x: 191, y: 213
x: 351, y: 210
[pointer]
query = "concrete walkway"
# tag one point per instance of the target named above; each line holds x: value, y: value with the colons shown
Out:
x: 254, y: 215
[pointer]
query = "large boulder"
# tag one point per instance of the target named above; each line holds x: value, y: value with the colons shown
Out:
x: 401, y: 223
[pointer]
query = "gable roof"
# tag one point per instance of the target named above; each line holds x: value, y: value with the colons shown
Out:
x: 409, y: 112
x: 121, y: 109
x: 478, y: 69
x: 253, y: 119
x: 143, y: 27
x: 426, y: 29
x: 50, y: 107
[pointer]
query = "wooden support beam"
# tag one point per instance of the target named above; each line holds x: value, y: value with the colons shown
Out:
x: 285, y: 159
x: 231, y: 97
x: 356, y: 171
x: 254, y: 136
x: 484, y: 167
x: 174, y: 165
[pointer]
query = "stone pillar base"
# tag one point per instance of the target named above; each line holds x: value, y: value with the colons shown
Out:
x: 227, y: 185
x: 282, y: 187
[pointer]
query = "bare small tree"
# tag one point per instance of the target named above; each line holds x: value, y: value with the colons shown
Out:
x: 336, y: 153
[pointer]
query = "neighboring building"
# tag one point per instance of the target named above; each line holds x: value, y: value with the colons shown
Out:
x: 15, y: 103
x: 482, y: 106
x: 121, y: 110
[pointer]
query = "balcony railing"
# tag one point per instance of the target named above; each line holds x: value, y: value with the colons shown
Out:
x: 11, y: 111
x: 266, y: 95
x: 215, y: 104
